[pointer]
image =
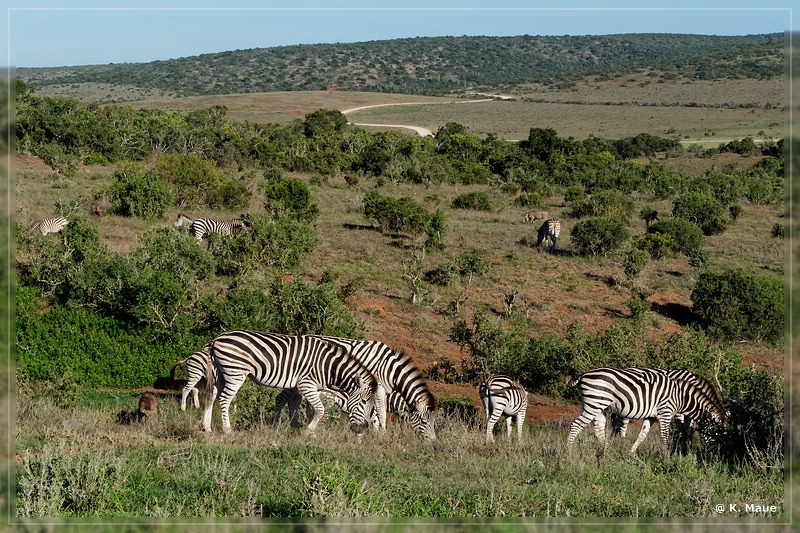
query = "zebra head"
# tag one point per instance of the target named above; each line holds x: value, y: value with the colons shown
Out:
x: 422, y: 418
x: 360, y: 403
x: 182, y: 220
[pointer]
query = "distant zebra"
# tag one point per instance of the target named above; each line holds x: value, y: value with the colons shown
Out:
x: 532, y: 216
x: 50, y: 225
x: 548, y: 231
x: 200, y: 227
x: 196, y: 365
x: 397, y: 373
x: 649, y: 393
x: 500, y: 396
x: 285, y: 361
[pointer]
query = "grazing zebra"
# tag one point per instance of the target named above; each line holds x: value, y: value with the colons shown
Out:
x: 653, y: 394
x: 532, y: 216
x: 549, y: 230
x: 285, y: 361
x: 503, y: 396
x: 196, y: 366
x: 50, y: 225
x: 291, y: 397
x: 200, y: 227
x: 396, y: 372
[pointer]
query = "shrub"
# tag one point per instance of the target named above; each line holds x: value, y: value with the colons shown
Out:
x: 477, y: 200
x: 406, y: 215
x: 574, y: 194
x: 778, y: 230
x: 658, y: 245
x: 599, y: 235
x: 604, y: 203
x: 290, y: 197
x: 140, y: 193
x: 529, y: 199
x: 198, y: 182
x: 702, y: 210
x: 634, y: 262
x: 473, y: 262
x: 685, y: 236
x: 738, y: 305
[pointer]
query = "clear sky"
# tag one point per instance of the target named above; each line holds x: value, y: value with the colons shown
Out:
x: 45, y: 33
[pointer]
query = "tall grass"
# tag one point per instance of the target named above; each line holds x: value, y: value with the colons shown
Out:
x: 166, y: 467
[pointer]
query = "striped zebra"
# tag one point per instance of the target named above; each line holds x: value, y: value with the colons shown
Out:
x: 196, y: 365
x: 200, y: 227
x: 398, y: 374
x: 501, y: 396
x: 50, y: 225
x: 533, y: 216
x: 286, y: 361
x: 549, y: 231
x: 653, y: 394
x: 292, y: 398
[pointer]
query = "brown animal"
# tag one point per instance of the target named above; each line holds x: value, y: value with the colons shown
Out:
x: 98, y: 210
x: 532, y: 216
x: 148, y: 405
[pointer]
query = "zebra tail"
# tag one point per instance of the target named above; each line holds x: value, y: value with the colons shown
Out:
x: 572, y: 382
x: 173, y: 367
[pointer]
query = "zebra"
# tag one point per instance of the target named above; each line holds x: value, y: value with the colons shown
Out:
x: 396, y: 372
x: 503, y: 396
x: 549, y: 230
x: 291, y: 397
x: 196, y: 365
x: 50, y: 225
x: 532, y: 216
x: 200, y: 227
x: 650, y: 393
x: 277, y: 360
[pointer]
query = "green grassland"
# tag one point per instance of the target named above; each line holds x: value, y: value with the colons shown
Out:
x: 80, y: 460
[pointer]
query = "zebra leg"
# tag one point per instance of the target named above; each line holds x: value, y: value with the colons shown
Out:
x: 196, y: 397
x: 620, y: 426
x: 226, y: 396
x: 508, y: 427
x: 577, y: 426
x: 310, y: 392
x: 642, y: 434
x: 520, y: 422
x: 280, y: 400
x: 496, y: 414
x: 190, y: 387
x: 599, y: 424
x: 664, y: 421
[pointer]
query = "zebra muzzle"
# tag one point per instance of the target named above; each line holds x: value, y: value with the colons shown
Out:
x: 360, y: 427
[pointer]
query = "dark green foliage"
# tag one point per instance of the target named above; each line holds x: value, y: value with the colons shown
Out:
x: 199, y: 183
x: 574, y: 194
x: 744, y: 146
x: 604, y: 203
x: 599, y: 235
x: 477, y: 200
x: 405, y: 215
x: 649, y: 215
x: 735, y: 211
x: 685, y: 236
x: 657, y: 245
x: 778, y: 230
x: 304, y: 309
x: 634, y: 262
x: 703, y: 210
x: 290, y: 197
x: 738, y: 305
x: 530, y: 199
x: 280, y: 244
x: 140, y: 193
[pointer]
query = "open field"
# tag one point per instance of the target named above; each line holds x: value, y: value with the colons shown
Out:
x: 166, y: 467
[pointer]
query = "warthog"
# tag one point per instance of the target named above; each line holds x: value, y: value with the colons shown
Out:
x: 148, y: 405
x: 531, y: 216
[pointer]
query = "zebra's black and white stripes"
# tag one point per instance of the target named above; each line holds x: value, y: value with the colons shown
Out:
x: 396, y: 372
x: 648, y: 393
x: 501, y: 396
x: 196, y: 365
x: 285, y: 361
x: 549, y: 231
x: 202, y: 226
x: 50, y: 225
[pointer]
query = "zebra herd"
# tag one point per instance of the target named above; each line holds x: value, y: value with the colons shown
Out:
x: 367, y: 379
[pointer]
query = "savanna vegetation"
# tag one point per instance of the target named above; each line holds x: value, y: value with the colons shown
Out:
x: 416, y: 241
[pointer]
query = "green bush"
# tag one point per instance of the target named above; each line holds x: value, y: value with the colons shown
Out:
x: 199, y: 183
x: 599, y: 235
x: 477, y: 200
x: 405, y: 215
x: 604, y: 203
x: 140, y: 193
x: 703, y: 210
x: 530, y: 199
x: 685, y: 237
x: 658, y: 245
x: 737, y: 305
x: 290, y: 197
x: 634, y: 262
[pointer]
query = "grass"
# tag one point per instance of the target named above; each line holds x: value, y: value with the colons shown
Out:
x: 166, y: 467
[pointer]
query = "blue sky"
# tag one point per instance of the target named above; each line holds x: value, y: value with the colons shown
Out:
x: 42, y: 33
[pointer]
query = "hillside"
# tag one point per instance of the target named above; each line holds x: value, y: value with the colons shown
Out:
x: 435, y: 65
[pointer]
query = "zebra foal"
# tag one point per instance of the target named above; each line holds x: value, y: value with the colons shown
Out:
x: 200, y: 227
x: 288, y: 361
x: 502, y: 396
x: 50, y: 225
x: 649, y: 393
